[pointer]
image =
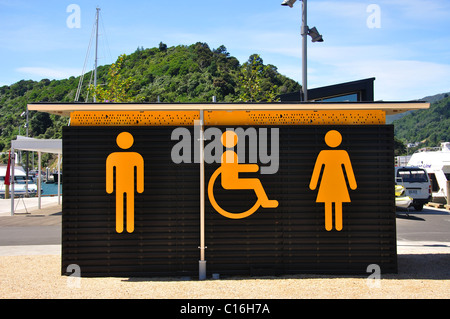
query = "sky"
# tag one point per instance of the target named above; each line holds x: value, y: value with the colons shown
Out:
x: 404, y: 44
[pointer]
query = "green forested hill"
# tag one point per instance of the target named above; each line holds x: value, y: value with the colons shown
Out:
x: 192, y: 73
x: 430, y: 126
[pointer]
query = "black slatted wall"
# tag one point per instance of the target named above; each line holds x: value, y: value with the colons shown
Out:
x: 288, y: 239
x: 166, y: 234
x: 292, y: 237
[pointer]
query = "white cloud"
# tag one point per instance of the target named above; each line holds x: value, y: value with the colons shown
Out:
x: 41, y: 72
x: 407, y: 65
x: 395, y: 79
x: 338, y: 9
x: 399, y: 74
x: 404, y: 68
x: 407, y: 79
x: 422, y: 9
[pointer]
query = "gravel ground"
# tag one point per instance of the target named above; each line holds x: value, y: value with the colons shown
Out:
x: 420, y: 276
x: 33, y: 272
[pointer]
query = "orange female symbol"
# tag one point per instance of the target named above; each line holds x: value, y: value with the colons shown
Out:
x: 333, y: 187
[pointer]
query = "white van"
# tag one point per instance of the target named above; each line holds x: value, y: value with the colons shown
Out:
x: 436, y: 161
x: 417, y: 184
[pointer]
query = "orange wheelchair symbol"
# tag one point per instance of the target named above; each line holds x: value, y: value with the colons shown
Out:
x: 229, y: 171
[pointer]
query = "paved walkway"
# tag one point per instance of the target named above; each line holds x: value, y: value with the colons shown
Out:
x: 27, y: 213
x: 28, y: 205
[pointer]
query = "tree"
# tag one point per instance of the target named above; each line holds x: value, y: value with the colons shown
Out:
x: 221, y: 50
x: 162, y: 47
x: 253, y: 73
x: 117, y: 88
x: 203, y: 54
x: 40, y: 122
x: 399, y: 147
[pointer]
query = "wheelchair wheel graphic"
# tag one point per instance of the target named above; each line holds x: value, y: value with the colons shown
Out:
x: 219, y: 209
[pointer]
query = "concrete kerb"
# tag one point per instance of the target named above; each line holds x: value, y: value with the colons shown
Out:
x: 30, y: 250
x: 422, y: 247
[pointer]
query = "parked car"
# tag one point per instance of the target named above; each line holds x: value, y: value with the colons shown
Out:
x: 417, y: 184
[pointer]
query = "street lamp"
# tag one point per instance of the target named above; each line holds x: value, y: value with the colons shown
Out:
x: 315, y: 36
x: 289, y: 3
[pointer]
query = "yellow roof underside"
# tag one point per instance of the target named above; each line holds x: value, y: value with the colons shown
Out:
x: 67, y: 108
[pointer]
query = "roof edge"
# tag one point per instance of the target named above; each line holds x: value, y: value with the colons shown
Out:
x: 390, y: 108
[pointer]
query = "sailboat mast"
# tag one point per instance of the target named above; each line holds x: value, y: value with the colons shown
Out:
x: 96, y: 49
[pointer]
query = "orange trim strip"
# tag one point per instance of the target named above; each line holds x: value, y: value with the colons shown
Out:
x: 220, y: 117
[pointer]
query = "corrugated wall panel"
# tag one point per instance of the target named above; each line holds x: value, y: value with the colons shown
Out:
x: 284, y: 240
x: 292, y: 238
x: 166, y: 235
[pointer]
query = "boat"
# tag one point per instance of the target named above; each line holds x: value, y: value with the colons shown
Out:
x: 436, y: 161
x: 94, y: 71
x: 20, y: 182
x: 52, y: 178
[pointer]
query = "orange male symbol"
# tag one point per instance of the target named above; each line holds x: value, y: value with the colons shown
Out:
x: 333, y: 187
x: 124, y: 164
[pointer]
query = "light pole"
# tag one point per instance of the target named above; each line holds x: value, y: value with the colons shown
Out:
x: 316, y: 37
x: 26, y: 163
